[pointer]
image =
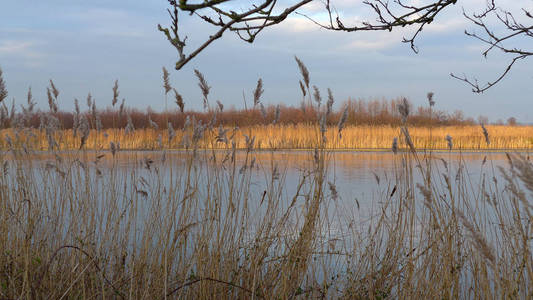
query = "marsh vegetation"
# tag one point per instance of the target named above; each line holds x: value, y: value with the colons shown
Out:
x: 84, y: 224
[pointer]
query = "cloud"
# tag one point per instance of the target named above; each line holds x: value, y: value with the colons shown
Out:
x: 10, y: 47
x: 24, y: 50
x: 297, y: 25
x: 366, y: 44
x: 446, y: 26
x: 110, y: 22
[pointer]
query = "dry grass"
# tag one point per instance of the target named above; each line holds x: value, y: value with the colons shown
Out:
x: 149, y: 225
x: 96, y: 225
x: 298, y: 136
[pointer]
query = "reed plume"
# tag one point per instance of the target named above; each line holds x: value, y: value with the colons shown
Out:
x: 302, y: 88
x: 166, y: 83
x: 316, y: 95
x: 204, y: 87
x: 329, y: 104
x: 129, y: 126
x: 178, y: 99
x: 121, y: 109
x: 171, y: 132
x: 89, y: 100
x: 55, y: 91
x: 449, y: 141
x: 3, y: 89
x: 485, y: 134
x: 258, y: 92
x: 342, y: 121
x: 430, y: 99
x: 115, y: 94
x: 303, y: 71
x: 404, y: 109
x: 276, y: 115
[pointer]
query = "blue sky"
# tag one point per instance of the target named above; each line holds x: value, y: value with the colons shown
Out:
x: 85, y: 45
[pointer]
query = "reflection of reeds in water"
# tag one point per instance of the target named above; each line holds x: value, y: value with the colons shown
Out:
x: 72, y: 226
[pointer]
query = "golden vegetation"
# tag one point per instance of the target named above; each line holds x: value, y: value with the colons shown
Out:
x: 150, y: 225
x: 299, y: 136
x: 100, y: 225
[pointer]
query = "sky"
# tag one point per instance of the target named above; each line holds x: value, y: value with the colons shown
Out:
x: 84, y: 46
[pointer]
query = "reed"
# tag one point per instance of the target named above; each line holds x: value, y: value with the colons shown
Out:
x: 299, y: 136
x: 198, y: 224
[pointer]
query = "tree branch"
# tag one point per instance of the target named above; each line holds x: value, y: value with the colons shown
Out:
x: 512, y: 29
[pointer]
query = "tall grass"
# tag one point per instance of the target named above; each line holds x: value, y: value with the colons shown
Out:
x: 299, y: 136
x: 99, y: 224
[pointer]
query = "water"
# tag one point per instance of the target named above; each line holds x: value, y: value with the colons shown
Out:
x: 356, y: 175
x: 361, y: 179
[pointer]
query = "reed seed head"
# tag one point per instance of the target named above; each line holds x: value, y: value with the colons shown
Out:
x: 302, y: 87
x: 152, y: 124
x: 221, y: 136
x: 276, y: 115
x: 333, y: 190
x: 3, y: 90
x: 51, y: 103
x: 450, y: 141
x: 430, y: 99
x: 316, y: 95
x: 408, y: 140
x: 204, y: 87
x: 89, y: 100
x: 342, y: 121
x: 179, y: 100
x: 113, y: 148
x: 30, y: 101
x: 329, y: 104
x: 115, y: 94
x: 187, y: 123
x: 76, y: 107
x: 84, y: 131
x: 129, y: 126
x: 404, y: 108
x: 303, y: 71
x: 323, y: 124
x: 166, y: 83
x: 258, y: 91
x: 121, y: 109
x: 54, y: 89
x: 485, y: 134
x: 171, y: 132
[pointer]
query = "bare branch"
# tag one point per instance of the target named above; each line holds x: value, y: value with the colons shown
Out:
x: 512, y: 29
x: 260, y: 14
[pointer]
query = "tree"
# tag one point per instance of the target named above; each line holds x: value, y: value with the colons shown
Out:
x: 501, y: 29
x: 512, y: 121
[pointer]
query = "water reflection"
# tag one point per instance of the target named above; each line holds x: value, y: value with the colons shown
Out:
x: 358, y: 176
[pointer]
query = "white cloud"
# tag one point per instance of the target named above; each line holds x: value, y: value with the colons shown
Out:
x: 446, y: 26
x: 297, y: 25
x: 110, y: 22
x: 370, y: 45
x: 24, y: 50
x: 10, y: 47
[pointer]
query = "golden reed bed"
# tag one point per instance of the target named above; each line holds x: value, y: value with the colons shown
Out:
x: 298, y: 136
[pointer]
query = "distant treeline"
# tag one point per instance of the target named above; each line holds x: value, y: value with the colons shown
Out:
x: 359, y: 112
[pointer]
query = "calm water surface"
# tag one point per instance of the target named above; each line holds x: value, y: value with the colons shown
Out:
x: 359, y: 177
